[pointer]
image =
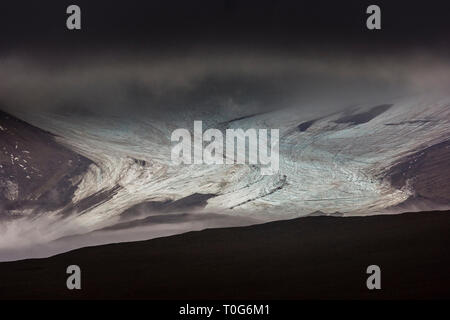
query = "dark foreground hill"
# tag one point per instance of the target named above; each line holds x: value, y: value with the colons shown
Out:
x: 305, y: 258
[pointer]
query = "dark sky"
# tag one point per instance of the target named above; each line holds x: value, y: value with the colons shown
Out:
x: 172, y: 24
x: 258, y: 54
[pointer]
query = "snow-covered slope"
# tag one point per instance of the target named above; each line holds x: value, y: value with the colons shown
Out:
x: 330, y: 163
x: 364, y: 160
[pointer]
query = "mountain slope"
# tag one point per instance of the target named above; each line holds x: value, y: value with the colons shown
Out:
x: 304, y: 258
x: 36, y: 173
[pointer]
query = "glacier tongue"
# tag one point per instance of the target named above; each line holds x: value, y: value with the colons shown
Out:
x: 333, y: 164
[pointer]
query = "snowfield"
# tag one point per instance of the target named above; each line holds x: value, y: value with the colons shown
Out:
x: 332, y: 163
x: 336, y: 163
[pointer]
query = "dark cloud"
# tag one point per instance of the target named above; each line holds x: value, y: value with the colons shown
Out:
x: 229, y: 85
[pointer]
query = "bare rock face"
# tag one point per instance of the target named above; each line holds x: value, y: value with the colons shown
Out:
x: 36, y: 173
x: 427, y: 171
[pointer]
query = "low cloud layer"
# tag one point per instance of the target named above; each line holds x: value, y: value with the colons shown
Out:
x: 225, y: 82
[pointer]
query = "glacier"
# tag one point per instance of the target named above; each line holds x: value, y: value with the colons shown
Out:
x: 332, y: 166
